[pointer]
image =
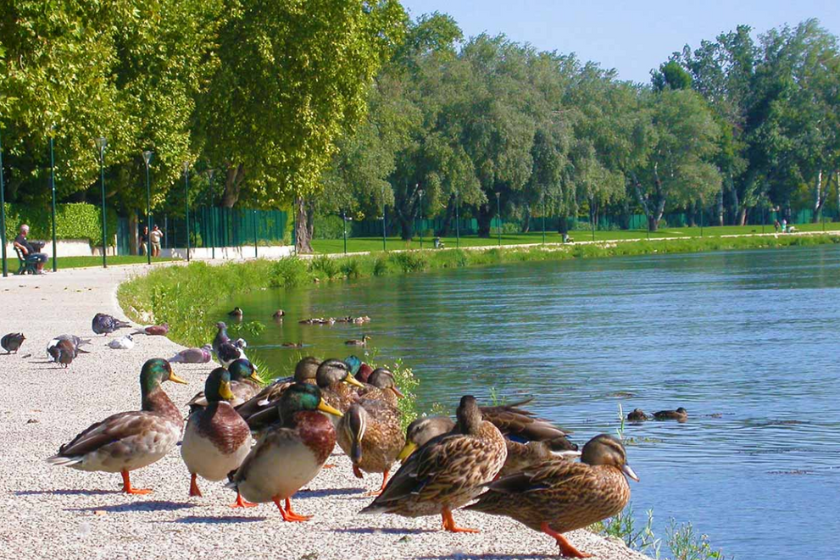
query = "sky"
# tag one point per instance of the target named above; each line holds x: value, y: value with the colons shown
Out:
x: 632, y: 37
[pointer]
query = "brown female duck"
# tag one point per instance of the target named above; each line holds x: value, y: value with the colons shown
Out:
x: 447, y: 472
x: 560, y: 496
x: 680, y: 415
x: 244, y: 384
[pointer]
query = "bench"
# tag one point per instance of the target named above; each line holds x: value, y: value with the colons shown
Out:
x: 26, y: 266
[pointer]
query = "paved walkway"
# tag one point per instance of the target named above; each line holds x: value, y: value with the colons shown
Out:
x: 59, y: 513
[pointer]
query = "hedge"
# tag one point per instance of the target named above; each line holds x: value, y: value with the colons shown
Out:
x: 72, y: 221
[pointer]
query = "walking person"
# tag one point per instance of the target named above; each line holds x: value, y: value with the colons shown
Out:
x: 156, y: 236
x: 144, y: 241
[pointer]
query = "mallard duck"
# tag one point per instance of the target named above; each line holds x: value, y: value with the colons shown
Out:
x: 236, y: 313
x: 515, y: 423
x: 680, y: 415
x: 244, y: 384
x: 381, y: 386
x: 358, y: 341
x: 560, y: 496
x: 335, y: 377
x: 279, y: 314
x: 638, y: 415
x: 292, y: 344
x: 216, y: 439
x: 370, y: 434
x: 129, y: 441
x: 269, y: 396
x: 291, y: 453
x: 446, y: 472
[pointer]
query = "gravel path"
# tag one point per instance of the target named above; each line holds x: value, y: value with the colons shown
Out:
x: 63, y: 513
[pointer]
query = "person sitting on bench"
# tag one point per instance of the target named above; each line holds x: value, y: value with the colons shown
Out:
x: 28, y: 250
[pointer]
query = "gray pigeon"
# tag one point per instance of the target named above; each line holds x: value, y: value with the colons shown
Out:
x: 11, y: 342
x: 67, y: 352
x: 221, y: 337
x: 106, y: 324
x: 72, y: 342
x: 228, y: 352
x: 193, y: 355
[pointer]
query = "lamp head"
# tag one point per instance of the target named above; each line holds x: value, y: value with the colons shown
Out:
x: 147, y: 157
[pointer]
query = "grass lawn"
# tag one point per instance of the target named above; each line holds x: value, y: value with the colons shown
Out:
x: 80, y: 262
x: 373, y: 244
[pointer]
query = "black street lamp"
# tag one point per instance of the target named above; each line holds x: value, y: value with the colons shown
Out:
x: 543, y: 217
x: 102, y: 143
x: 254, y: 214
x: 457, y: 224
x: 212, y: 220
x: 420, y: 192
x: 384, y: 247
x: 187, y: 205
x: 147, y: 158
x: 344, y: 221
x: 499, y: 217
x: 3, y: 213
x: 52, y: 188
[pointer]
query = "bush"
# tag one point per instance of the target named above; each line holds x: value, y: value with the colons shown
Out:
x: 328, y: 227
x: 72, y: 221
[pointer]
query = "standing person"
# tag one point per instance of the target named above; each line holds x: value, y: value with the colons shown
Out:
x: 784, y: 225
x: 776, y: 226
x: 156, y: 236
x: 144, y: 241
x: 28, y: 250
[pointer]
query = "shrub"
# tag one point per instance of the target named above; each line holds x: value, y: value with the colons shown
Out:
x: 72, y: 221
x: 325, y: 267
x: 328, y: 227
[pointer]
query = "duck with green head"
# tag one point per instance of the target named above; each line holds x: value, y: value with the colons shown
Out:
x: 291, y: 453
x: 128, y: 441
x: 217, y: 439
x: 244, y: 384
x: 558, y: 496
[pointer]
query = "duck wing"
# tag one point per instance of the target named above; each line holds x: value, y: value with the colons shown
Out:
x: 114, y: 428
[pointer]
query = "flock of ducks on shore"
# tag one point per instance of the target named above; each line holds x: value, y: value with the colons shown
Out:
x: 269, y: 441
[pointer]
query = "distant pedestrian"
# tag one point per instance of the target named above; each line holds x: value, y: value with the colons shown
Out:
x: 155, y: 237
x: 776, y: 226
x: 784, y: 225
x: 144, y: 241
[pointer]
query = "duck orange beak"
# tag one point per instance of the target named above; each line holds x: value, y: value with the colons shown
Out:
x: 176, y: 379
x: 397, y: 392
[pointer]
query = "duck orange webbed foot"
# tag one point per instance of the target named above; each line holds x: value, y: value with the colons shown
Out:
x: 194, y: 490
x: 329, y: 466
x: 449, y: 524
x: 127, y: 486
x: 241, y: 503
x: 288, y: 513
x: 567, y: 550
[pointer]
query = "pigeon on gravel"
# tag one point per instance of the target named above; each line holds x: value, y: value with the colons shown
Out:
x: 67, y: 352
x: 74, y: 344
x: 106, y: 324
x: 124, y: 343
x: 11, y: 342
x: 231, y: 351
x: 193, y: 355
x: 154, y: 330
x: 221, y: 337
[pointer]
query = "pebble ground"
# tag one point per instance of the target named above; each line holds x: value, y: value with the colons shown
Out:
x: 59, y: 513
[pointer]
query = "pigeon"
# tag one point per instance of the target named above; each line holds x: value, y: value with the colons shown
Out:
x: 193, y: 355
x: 154, y: 330
x: 230, y: 352
x: 11, y: 342
x: 74, y: 342
x: 124, y: 343
x: 105, y: 324
x: 67, y: 352
x: 221, y: 337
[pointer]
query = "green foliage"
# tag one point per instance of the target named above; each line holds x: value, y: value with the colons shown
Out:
x: 685, y: 544
x: 328, y: 227
x: 72, y: 221
x: 325, y: 267
x: 248, y: 328
x: 623, y: 526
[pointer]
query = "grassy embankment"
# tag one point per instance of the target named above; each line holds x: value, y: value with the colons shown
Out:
x: 81, y: 262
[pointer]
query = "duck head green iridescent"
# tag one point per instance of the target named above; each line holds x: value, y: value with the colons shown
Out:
x: 217, y: 386
x: 302, y: 397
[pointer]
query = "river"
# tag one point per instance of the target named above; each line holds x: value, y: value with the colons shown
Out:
x: 745, y: 341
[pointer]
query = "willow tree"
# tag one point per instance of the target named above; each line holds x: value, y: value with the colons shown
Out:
x: 293, y: 76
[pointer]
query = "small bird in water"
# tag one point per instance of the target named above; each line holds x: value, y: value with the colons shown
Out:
x: 106, y: 324
x: 279, y: 314
x: 680, y: 415
x: 236, y: 313
x: 11, y: 342
x: 292, y: 345
x: 638, y: 415
x: 193, y: 355
x: 358, y: 341
x: 154, y: 330
x: 123, y: 343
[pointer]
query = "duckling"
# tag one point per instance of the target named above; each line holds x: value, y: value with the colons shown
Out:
x: 680, y: 415
x: 128, y: 441
x: 370, y: 434
x: 560, y: 496
x: 244, y: 383
x: 216, y: 439
x: 236, y: 313
x: 290, y: 454
x: 447, y: 472
x: 358, y: 341
x: 638, y: 415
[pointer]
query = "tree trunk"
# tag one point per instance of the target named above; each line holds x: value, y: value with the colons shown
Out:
x: 485, y: 217
x: 526, y: 225
x: 448, y: 218
x: 406, y: 228
x: 720, y: 204
x: 233, y: 185
x: 303, y: 231
x: 820, y: 197
x: 133, y: 241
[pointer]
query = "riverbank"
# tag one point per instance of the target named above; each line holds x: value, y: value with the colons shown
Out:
x: 69, y: 514
x: 184, y: 297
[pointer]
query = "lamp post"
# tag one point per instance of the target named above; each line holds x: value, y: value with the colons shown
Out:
x: 420, y: 192
x: 3, y: 213
x: 499, y: 217
x: 543, y: 216
x: 212, y: 228
x: 187, y: 204
x: 147, y: 158
x: 384, y: 228
x: 52, y: 188
x: 254, y: 215
x: 457, y: 224
x: 701, y: 217
x: 344, y: 221
x: 102, y: 143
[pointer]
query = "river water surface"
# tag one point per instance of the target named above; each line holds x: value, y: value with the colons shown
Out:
x: 746, y: 341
